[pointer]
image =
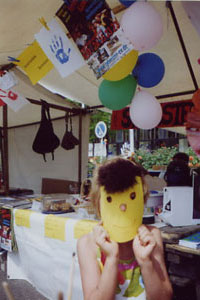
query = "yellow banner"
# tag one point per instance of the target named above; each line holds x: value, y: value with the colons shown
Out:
x: 54, y: 227
x: 83, y: 227
x: 34, y: 62
x: 22, y: 217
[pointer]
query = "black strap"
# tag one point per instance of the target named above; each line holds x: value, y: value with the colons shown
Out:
x: 70, y: 120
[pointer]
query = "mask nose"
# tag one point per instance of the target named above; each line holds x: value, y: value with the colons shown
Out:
x: 123, y: 207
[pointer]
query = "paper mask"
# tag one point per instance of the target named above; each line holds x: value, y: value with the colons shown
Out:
x: 122, y: 225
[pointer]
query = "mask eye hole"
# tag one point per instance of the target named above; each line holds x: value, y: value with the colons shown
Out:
x: 109, y: 199
x: 132, y: 195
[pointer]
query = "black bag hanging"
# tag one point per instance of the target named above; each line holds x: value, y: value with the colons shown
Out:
x: 45, y: 141
x: 69, y: 141
x: 74, y: 139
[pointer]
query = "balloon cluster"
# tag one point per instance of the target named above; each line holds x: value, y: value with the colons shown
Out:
x: 142, y: 26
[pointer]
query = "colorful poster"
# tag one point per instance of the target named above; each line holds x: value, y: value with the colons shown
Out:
x: 13, y: 99
x: 96, y: 32
x: 34, y: 62
x: 59, y: 49
x: 174, y: 114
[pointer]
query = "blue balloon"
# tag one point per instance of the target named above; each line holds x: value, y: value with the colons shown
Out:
x: 149, y: 70
x: 127, y: 3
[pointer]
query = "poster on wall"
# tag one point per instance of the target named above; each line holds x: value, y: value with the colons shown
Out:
x: 96, y: 32
x: 59, y: 49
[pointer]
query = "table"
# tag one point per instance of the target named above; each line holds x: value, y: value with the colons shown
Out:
x: 183, y: 263
x: 46, y: 244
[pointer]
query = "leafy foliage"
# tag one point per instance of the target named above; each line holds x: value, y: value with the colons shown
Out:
x: 162, y: 157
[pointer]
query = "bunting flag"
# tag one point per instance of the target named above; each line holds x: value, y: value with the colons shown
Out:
x: 96, y: 32
x: 59, y: 49
x: 13, y: 99
x: 7, y: 80
x: 34, y: 62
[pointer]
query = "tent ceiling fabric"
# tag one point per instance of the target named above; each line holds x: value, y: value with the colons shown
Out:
x: 19, y: 22
x: 31, y: 113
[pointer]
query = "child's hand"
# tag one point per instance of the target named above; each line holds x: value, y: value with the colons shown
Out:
x: 143, y: 244
x: 102, y: 239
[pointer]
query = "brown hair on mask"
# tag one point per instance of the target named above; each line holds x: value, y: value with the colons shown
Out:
x: 116, y: 175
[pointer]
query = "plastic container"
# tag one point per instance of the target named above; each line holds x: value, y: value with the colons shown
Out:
x: 56, y: 205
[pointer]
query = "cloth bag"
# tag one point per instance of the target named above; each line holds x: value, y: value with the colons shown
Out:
x: 45, y: 141
x: 69, y: 141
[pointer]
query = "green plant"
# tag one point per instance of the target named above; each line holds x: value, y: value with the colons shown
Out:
x: 158, y: 157
x: 194, y: 160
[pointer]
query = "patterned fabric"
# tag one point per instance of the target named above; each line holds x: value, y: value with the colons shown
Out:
x: 130, y: 284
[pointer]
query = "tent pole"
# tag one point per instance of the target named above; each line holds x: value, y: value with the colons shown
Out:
x: 5, y: 166
x: 169, y: 4
x: 158, y: 97
x: 80, y: 150
x: 55, y: 106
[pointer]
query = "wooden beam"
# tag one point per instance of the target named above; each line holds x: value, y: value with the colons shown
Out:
x: 5, y: 166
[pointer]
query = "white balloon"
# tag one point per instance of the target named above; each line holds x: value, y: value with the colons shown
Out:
x: 142, y: 25
x: 145, y: 110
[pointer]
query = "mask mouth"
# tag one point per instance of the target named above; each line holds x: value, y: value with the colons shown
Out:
x: 126, y: 225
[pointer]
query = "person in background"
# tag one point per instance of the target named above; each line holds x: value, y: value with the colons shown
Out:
x: 181, y: 156
x: 120, y: 258
x: 178, y: 172
x: 85, y: 188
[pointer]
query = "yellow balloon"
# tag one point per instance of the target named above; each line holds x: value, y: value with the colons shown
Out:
x: 123, y: 68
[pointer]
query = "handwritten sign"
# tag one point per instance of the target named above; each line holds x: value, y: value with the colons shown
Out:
x: 54, y: 227
x: 174, y: 114
x: 22, y: 217
x: 34, y: 62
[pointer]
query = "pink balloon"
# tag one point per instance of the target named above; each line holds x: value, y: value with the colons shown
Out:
x: 145, y: 111
x: 142, y: 25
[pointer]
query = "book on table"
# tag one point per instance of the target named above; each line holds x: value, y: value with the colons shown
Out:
x: 191, y: 241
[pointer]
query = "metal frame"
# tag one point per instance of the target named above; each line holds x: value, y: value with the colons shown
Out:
x: 4, y: 151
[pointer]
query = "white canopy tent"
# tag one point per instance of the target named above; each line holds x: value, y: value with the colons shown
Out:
x: 22, y: 21
x: 18, y: 24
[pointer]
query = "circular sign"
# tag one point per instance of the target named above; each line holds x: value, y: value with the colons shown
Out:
x: 100, y: 129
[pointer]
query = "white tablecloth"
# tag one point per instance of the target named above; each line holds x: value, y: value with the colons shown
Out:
x: 45, y: 247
